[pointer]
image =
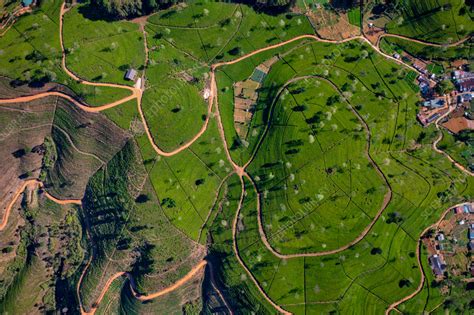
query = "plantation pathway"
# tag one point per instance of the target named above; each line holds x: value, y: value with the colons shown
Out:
x: 440, y: 137
x: 137, y: 93
x: 189, y: 276
x: 422, y: 42
x: 176, y: 285
x: 394, y: 305
x: 29, y: 184
x: 386, y: 200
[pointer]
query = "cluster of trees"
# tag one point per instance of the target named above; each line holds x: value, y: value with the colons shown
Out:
x: 119, y: 9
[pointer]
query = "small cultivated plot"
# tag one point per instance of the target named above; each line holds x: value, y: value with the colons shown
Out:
x: 101, y: 51
x: 444, y: 21
x: 226, y: 77
x: 354, y: 16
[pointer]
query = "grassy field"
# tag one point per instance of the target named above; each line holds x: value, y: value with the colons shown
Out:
x: 31, y: 54
x: 426, y: 52
x: 376, y: 89
x: 435, y: 21
x: 354, y: 16
x: 181, y: 50
x: 333, y: 132
x: 461, y: 151
x: 101, y: 51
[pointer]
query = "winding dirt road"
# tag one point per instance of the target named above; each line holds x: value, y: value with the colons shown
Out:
x: 137, y: 93
x: 440, y: 137
x: 30, y: 184
x: 386, y: 200
x: 34, y: 183
x: 422, y: 42
x: 394, y: 305
x: 190, y: 275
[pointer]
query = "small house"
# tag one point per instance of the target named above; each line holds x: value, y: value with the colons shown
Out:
x: 471, y: 233
x: 470, y: 245
x: 440, y: 237
x: 436, y: 264
x: 466, y: 85
x: 467, y: 208
x: 432, y: 118
x: 26, y: 3
x: 131, y: 74
x: 435, y: 103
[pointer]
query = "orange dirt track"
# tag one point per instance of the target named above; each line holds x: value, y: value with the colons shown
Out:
x: 136, y: 93
x: 394, y: 305
x: 29, y: 183
x: 151, y: 296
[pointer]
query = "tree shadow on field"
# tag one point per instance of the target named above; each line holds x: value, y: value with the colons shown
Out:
x: 95, y: 14
x: 268, y: 7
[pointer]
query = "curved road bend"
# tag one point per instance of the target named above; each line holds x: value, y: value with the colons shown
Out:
x: 137, y: 93
x: 440, y: 137
x: 28, y: 183
x: 140, y: 297
x: 422, y: 42
x: 386, y: 200
x: 394, y: 305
